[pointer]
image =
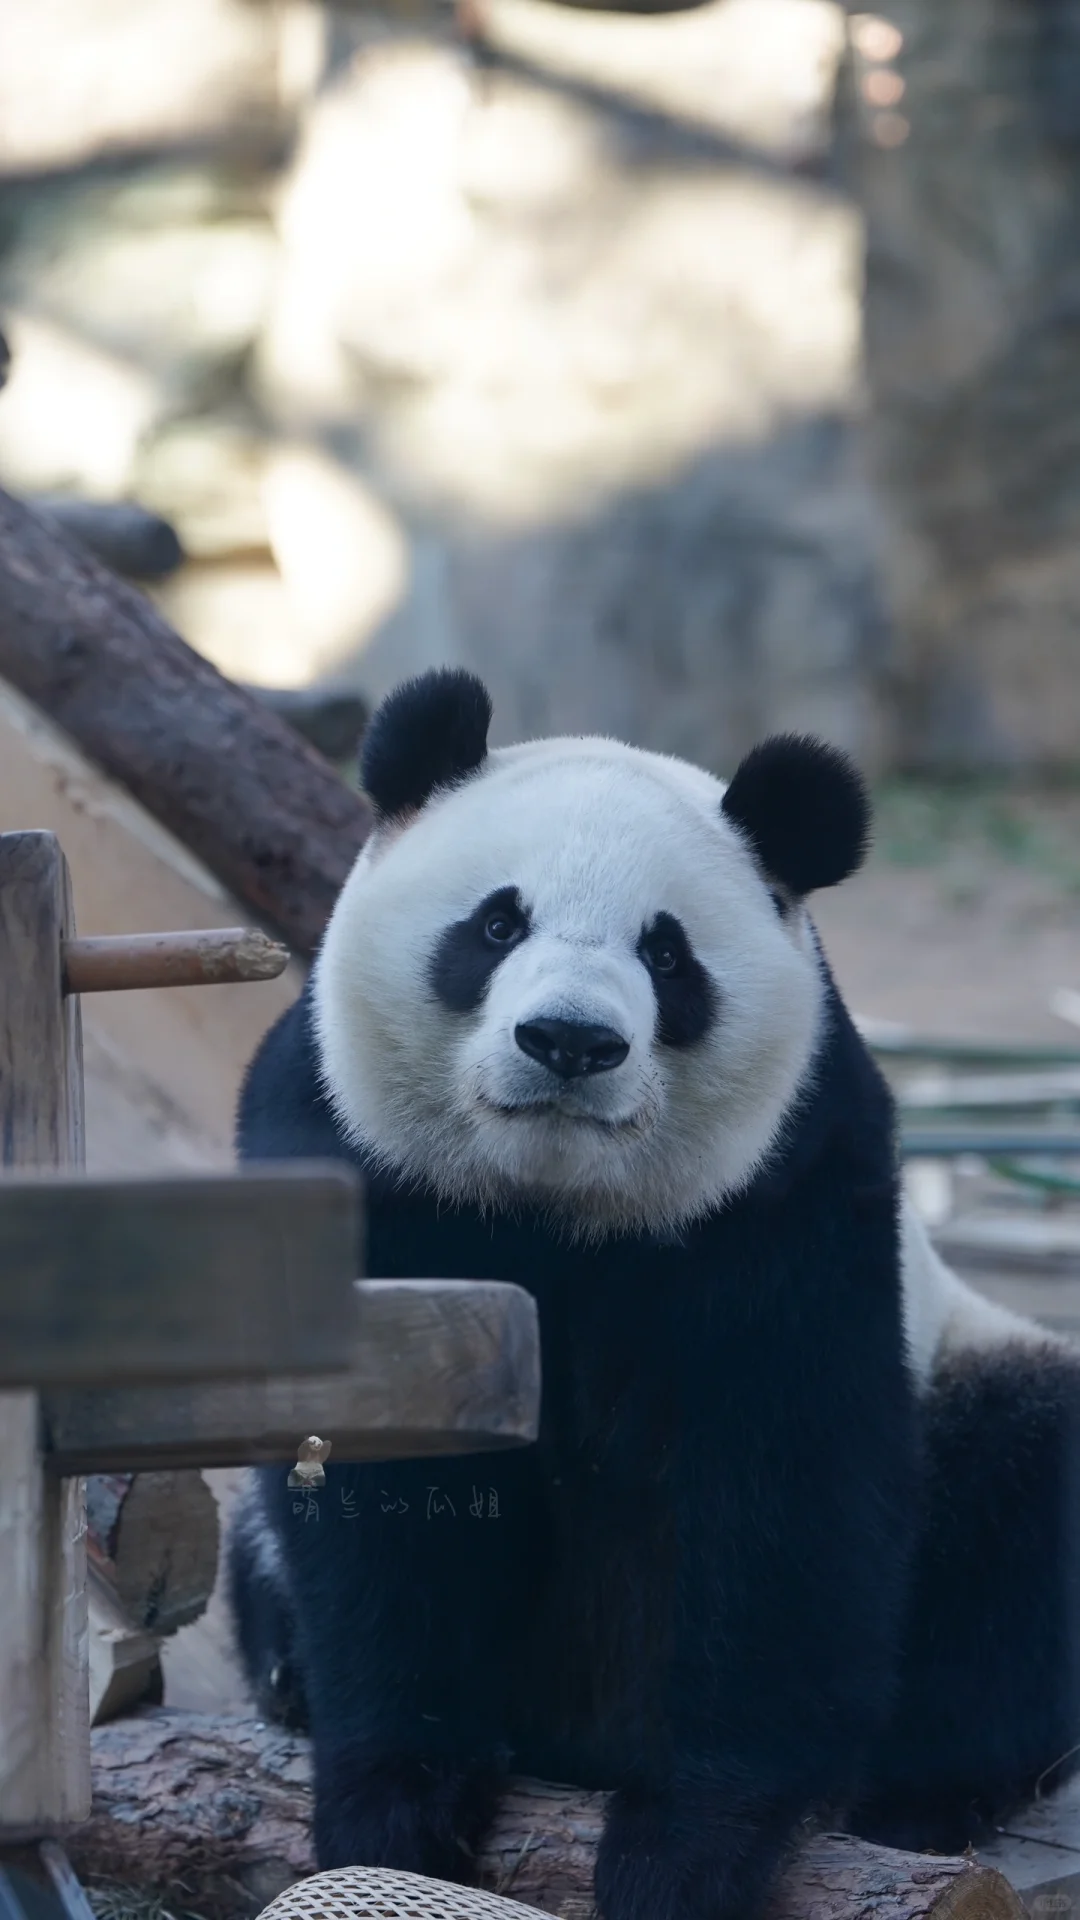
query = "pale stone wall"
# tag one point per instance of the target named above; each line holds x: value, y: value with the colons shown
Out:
x: 970, y: 181
x: 547, y: 366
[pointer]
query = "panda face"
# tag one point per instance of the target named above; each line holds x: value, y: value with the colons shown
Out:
x: 567, y: 980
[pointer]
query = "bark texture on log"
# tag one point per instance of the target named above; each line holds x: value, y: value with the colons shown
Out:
x: 233, y: 781
x: 224, y: 1807
x: 153, y: 1540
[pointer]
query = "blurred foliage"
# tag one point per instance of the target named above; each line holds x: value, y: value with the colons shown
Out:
x: 980, y: 823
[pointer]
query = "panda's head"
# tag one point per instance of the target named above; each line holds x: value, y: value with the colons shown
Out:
x: 574, y: 972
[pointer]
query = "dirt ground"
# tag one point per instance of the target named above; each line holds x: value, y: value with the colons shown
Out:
x: 965, y: 922
x: 966, y: 919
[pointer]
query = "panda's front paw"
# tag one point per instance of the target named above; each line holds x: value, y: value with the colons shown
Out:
x: 686, y: 1854
x: 420, y: 1816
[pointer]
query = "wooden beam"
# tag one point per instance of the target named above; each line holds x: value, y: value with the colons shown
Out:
x: 440, y: 1366
x: 198, y: 957
x: 226, y: 1276
x: 233, y: 781
x: 44, y: 1680
x: 161, y: 1778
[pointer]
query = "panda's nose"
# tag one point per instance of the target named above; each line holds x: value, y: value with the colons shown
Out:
x: 570, y: 1049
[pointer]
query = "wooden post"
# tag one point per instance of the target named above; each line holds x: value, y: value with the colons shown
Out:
x: 44, y: 1682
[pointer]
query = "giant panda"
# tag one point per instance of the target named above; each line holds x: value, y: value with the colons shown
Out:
x: 797, y: 1538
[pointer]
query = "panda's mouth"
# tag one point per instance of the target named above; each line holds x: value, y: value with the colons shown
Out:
x: 554, y: 1110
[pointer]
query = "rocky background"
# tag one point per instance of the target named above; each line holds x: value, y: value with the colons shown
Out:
x: 537, y: 339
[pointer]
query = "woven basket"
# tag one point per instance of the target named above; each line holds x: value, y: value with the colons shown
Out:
x: 375, y: 1893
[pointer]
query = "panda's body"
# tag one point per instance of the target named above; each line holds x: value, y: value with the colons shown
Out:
x: 572, y: 1022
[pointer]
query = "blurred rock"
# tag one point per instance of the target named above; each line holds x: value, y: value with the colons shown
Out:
x: 756, y: 72
x: 166, y: 266
x: 342, y: 555
x: 602, y: 382
x: 72, y: 415
x: 692, y: 616
x: 206, y: 473
x: 237, y: 614
x: 955, y: 144
x: 544, y: 360
x: 132, y: 301
x: 78, y: 78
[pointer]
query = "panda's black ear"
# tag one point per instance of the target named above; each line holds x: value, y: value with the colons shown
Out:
x: 429, y: 733
x: 804, y: 809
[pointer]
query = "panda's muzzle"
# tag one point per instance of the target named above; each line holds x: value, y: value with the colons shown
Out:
x: 570, y: 1049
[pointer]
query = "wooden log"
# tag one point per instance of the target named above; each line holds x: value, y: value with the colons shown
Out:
x: 197, y: 957
x: 44, y: 1736
x: 440, y: 1367
x: 152, y: 1539
x: 233, y: 781
x: 130, y: 540
x: 164, y: 1782
x: 204, y: 1275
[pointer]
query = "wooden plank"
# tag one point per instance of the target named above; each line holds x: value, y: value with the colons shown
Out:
x: 442, y: 1366
x: 225, y: 1276
x: 44, y: 1682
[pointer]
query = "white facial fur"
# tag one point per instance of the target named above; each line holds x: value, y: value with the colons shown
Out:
x: 598, y: 838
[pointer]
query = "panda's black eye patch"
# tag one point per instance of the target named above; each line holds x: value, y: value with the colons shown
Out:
x: 685, y: 1000
x: 469, y: 951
